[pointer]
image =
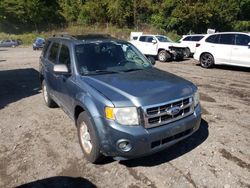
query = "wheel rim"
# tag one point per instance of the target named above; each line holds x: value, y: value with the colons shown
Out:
x: 206, y: 60
x: 45, y: 93
x: 162, y: 57
x: 85, y: 138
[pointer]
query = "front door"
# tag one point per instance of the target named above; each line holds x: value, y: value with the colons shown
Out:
x: 66, y: 88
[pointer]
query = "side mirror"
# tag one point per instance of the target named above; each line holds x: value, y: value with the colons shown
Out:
x: 151, y: 59
x: 61, y: 69
x: 154, y: 41
x: 248, y: 44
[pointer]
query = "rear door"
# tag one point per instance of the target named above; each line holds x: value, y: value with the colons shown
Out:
x: 241, y: 51
x: 223, y: 49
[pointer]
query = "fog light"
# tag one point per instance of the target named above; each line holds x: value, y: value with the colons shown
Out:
x: 124, y: 145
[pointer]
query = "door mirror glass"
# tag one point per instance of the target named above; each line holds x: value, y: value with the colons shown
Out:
x: 151, y: 59
x: 154, y: 41
x: 61, y: 69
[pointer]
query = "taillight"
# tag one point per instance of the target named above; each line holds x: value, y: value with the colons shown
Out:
x: 197, y: 45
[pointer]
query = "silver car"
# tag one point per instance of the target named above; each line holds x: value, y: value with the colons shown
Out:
x: 8, y: 43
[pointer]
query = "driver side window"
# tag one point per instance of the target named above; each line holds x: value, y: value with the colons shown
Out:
x: 64, y: 57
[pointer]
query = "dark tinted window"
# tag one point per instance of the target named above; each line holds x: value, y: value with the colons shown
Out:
x: 53, y: 52
x: 45, y: 48
x: 142, y: 38
x: 64, y: 57
x: 211, y: 38
x: 196, y: 38
x: 227, y: 39
x: 242, y: 40
x: 149, y: 39
x: 187, y: 38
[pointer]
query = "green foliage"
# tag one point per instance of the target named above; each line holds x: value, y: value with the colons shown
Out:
x: 182, y: 16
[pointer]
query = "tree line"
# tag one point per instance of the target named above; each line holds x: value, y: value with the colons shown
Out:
x: 182, y: 16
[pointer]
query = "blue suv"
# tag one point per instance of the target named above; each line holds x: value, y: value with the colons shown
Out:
x: 121, y: 105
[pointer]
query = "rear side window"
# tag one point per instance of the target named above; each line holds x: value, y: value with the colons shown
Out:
x: 227, y: 39
x: 45, y: 48
x: 53, y: 52
x: 242, y: 40
x: 196, y: 38
x: 187, y: 38
x: 64, y: 57
x: 211, y: 38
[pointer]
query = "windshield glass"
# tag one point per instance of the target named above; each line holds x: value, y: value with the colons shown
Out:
x: 109, y: 57
x: 163, y: 38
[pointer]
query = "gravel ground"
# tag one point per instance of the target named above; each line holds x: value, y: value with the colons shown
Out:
x: 39, y: 146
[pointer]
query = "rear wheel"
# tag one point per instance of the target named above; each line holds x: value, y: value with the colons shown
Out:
x: 46, y: 96
x: 207, y: 60
x: 163, y: 56
x: 88, y: 138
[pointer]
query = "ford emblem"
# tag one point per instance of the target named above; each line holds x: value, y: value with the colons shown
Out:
x: 173, y: 110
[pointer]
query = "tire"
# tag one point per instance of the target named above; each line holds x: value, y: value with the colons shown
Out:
x: 187, y: 53
x: 88, y: 139
x: 13, y: 46
x: 207, y: 60
x: 46, y: 96
x: 163, y: 56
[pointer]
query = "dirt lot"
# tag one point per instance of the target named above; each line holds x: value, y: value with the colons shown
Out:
x: 39, y: 146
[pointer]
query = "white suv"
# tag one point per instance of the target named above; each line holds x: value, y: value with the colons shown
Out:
x: 160, y: 46
x: 228, y: 48
x: 191, y: 40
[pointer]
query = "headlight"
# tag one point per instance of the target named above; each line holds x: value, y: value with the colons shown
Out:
x: 124, y: 116
x: 196, y: 98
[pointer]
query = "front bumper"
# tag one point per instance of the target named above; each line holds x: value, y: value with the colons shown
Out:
x: 144, y: 141
x: 177, y: 53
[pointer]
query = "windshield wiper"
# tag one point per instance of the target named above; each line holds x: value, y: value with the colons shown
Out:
x: 130, y: 70
x: 105, y: 71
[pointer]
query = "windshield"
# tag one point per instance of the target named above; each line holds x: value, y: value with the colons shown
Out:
x: 109, y: 57
x: 163, y: 38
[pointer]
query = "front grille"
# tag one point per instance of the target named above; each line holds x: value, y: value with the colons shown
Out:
x: 157, y: 115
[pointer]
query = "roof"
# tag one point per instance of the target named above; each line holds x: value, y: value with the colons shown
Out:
x: 85, y: 38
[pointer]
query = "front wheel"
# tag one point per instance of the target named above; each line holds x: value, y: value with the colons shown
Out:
x: 88, y: 138
x: 163, y: 56
x: 207, y: 60
x: 187, y: 52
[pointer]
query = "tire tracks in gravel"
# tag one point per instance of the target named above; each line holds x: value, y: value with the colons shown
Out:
x: 186, y: 176
x: 141, y: 177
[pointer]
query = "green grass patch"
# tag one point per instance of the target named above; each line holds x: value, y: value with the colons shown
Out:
x: 121, y: 33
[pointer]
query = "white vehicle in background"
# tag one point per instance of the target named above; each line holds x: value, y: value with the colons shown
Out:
x: 191, y: 40
x: 227, y: 48
x: 159, y: 46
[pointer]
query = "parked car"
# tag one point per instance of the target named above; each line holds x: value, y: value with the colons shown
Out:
x: 122, y: 106
x: 38, y: 43
x: 8, y: 43
x: 190, y: 41
x: 161, y: 47
x: 227, y: 48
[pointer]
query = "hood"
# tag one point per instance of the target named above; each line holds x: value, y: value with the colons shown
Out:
x: 140, y: 88
x: 174, y: 44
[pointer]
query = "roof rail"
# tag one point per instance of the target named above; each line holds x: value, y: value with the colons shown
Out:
x: 64, y: 36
